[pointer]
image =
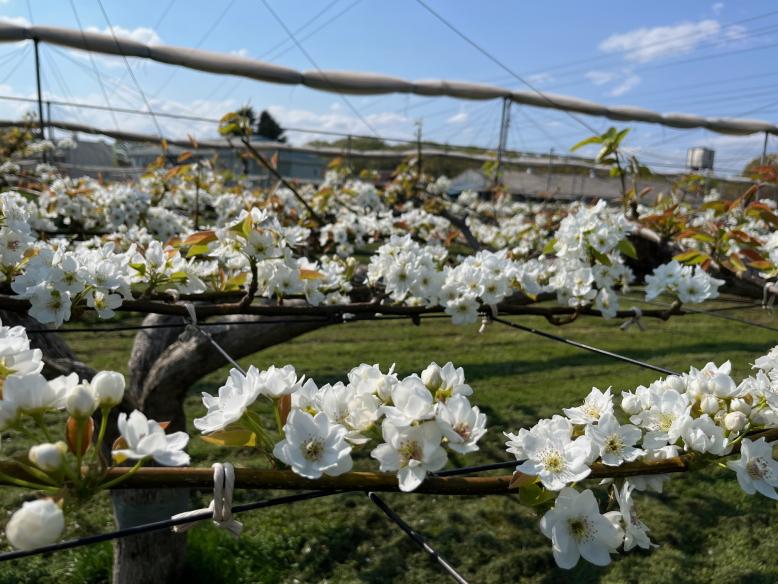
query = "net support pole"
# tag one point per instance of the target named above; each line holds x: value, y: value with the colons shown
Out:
x: 505, y: 122
x: 764, y: 150
x: 41, y: 120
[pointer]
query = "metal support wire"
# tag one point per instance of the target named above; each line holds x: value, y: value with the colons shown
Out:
x: 332, y: 319
x: 158, y: 525
x: 715, y: 313
x: 584, y: 346
x: 416, y: 537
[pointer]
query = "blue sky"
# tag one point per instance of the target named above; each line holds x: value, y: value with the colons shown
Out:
x: 709, y: 58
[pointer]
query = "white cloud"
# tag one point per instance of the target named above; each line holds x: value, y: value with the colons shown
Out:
x: 140, y: 34
x: 717, y: 8
x: 540, y: 78
x: 647, y: 44
x: 240, y: 52
x: 459, y: 118
x: 600, y: 77
x: 626, y: 85
x: 17, y: 20
x: 337, y: 119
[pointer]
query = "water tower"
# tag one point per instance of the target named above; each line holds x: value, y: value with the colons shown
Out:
x: 700, y: 158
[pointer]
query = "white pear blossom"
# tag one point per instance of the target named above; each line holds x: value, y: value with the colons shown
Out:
x: 635, y: 531
x: 411, y: 402
x: 31, y: 394
x: 577, y: 529
x: 412, y: 451
x: 461, y: 424
x: 147, y: 439
x: 615, y: 443
x: 231, y: 402
x: 757, y: 470
x: 314, y: 446
x: 596, y: 404
x: 554, y: 457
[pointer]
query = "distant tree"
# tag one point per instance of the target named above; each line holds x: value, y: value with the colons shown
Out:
x: 766, y: 172
x: 248, y: 112
x: 269, y: 128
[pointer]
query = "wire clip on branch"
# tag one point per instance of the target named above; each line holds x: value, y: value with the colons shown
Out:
x: 221, y: 504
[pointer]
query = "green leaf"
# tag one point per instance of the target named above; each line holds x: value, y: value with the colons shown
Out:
x: 625, y: 246
x: 692, y: 257
x: 237, y: 437
x: 197, y: 250
x: 600, y: 257
x: 535, y: 495
x: 586, y: 142
x: 549, y: 248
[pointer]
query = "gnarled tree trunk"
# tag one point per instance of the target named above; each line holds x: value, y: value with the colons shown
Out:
x: 162, y: 369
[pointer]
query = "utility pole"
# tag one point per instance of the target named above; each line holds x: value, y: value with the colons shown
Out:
x: 764, y: 150
x: 48, y: 120
x: 418, y: 152
x: 505, y: 122
x: 348, y: 154
x: 548, y: 176
x: 40, y: 98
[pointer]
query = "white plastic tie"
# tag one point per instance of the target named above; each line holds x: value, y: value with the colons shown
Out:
x: 220, y: 505
x: 191, y: 329
x: 768, y: 295
x: 485, y: 321
x: 635, y: 319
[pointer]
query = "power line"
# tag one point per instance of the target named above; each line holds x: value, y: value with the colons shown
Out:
x: 503, y: 66
x: 18, y: 64
x: 416, y: 537
x: 199, y: 43
x: 313, y: 62
x: 584, y: 346
x: 690, y: 39
x: 164, y: 14
x: 299, y: 29
x: 158, y: 525
x: 129, y: 69
x: 264, y: 55
x: 314, y: 31
x: 94, y: 65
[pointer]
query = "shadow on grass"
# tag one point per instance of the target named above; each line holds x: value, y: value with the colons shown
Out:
x: 480, y: 370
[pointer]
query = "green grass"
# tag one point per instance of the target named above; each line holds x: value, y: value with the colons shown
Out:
x: 707, y: 528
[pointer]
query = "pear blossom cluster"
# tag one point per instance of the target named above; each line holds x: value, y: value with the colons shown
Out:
x: 138, y: 239
x: 689, y: 284
x: 28, y: 403
x: 418, y: 418
x: 703, y: 413
x: 417, y: 275
x: 589, y: 263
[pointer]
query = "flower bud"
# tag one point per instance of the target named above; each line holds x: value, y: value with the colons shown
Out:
x: 109, y: 388
x: 48, y: 457
x: 80, y: 402
x: 709, y: 404
x: 36, y: 524
x: 431, y: 377
x: 630, y: 403
x: 735, y: 421
x: 740, y: 405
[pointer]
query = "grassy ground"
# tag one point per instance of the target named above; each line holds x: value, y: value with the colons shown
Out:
x: 707, y: 528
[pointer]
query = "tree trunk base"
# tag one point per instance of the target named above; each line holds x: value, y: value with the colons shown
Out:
x: 149, y: 558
